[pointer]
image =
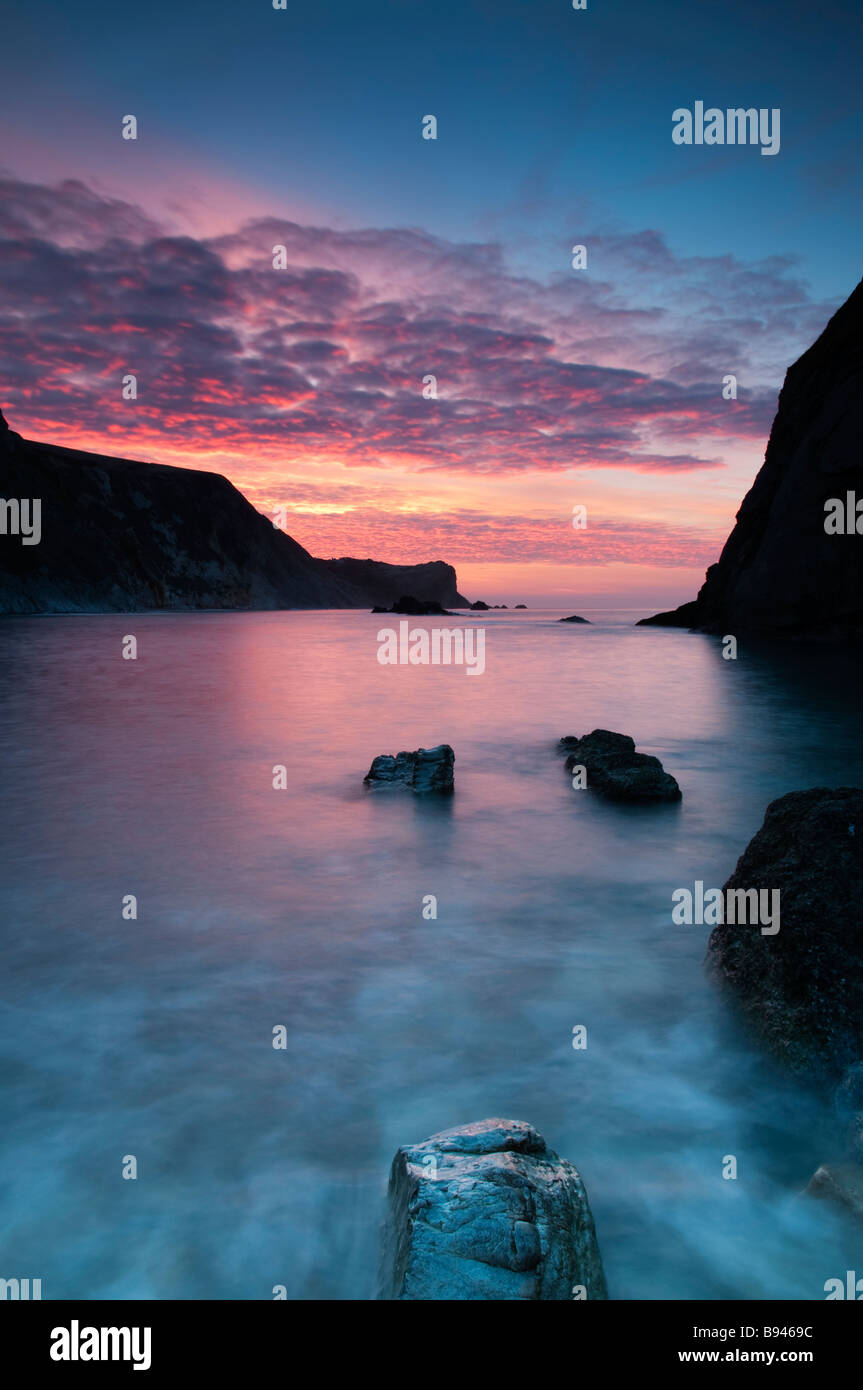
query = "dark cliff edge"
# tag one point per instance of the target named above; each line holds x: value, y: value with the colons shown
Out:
x: 432, y: 582
x: 124, y: 536
x: 780, y: 573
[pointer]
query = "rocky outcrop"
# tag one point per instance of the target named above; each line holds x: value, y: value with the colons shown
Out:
x: 613, y: 767
x: 416, y: 608
x: 801, y: 990
x: 780, y: 572
x: 487, y: 1211
x: 424, y: 771
x: 120, y: 536
x: 574, y: 619
x: 432, y: 582
x: 479, y: 606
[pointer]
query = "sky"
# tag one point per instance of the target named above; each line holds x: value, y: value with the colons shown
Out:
x: 407, y: 258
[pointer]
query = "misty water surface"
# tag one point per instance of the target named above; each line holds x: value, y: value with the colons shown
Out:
x: 302, y: 907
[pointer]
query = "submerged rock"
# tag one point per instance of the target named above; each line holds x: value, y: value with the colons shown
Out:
x: 488, y: 1211
x: 802, y: 989
x: 425, y: 770
x: 840, y: 1184
x: 574, y: 619
x: 614, y: 768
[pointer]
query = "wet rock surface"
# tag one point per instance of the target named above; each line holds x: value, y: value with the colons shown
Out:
x: 615, y: 769
x: 427, y: 770
x: 488, y: 1211
x: 801, y: 991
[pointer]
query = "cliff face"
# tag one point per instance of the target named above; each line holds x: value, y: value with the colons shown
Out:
x: 780, y: 572
x: 120, y: 536
x: 384, y: 583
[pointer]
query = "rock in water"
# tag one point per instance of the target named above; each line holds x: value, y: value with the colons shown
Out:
x: 614, y: 768
x: 487, y: 1211
x: 802, y: 989
x: 574, y: 619
x: 841, y: 1184
x: 425, y: 770
x: 780, y: 571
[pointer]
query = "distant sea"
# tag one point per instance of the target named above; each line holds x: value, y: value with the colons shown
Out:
x: 152, y: 1038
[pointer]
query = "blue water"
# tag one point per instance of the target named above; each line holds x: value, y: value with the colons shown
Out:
x: 303, y: 908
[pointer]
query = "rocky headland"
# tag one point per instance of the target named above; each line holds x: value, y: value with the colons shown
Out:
x: 785, y: 570
x: 118, y: 535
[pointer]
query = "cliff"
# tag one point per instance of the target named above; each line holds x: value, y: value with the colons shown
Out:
x: 119, y: 535
x: 780, y: 572
x: 431, y: 582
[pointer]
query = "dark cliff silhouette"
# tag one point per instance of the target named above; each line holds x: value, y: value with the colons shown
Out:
x: 781, y: 573
x: 119, y: 535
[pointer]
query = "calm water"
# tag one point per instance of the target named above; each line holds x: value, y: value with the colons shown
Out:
x: 303, y: 907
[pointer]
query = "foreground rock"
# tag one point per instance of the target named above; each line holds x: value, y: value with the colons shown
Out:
x: 574, y: 619
x: 416, y: 608
x: 487, y: 1211
x: 426, y: 770
x: 802, y: 989
x: 614, y: 768
x: 780, y: 572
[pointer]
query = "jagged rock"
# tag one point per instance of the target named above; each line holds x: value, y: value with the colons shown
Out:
x: 614, y: 768
x: 488, y: 1211
x: 574, y: 619
x: 780, y: 573
x: 426, y: 770
x: 479, y: 606
x: 416, y: 607
x: 120, y: 535
x: 802, y: 989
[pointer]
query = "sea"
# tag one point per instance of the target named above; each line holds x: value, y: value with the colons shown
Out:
x: 193, y: 871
